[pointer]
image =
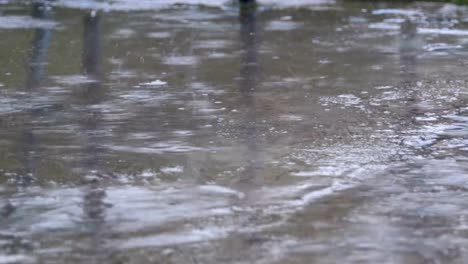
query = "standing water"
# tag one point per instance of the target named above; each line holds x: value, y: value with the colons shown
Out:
x: 305, y: 131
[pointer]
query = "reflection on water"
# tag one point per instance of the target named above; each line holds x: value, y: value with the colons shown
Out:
x: 94, y: 206
x: 249, y: 71
x: 298, y: 132
x: 34, y: 75
x: 408, y: 50
x: 40, y: 46
x: 91, y: 93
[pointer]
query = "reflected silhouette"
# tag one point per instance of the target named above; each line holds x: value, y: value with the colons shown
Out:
x: 408, y: 50
x: 248, y: 38
x: 94, y: 220
x: 92, y: 93
x: 28, y: 155
x: 408, y: 63
x: 91, y: 58
x: 34, y: 76
x: 92, y: 44
x: 247, y: 86
x: 40, y: 46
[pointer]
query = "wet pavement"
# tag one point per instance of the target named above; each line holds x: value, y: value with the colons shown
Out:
x: 288, y: 132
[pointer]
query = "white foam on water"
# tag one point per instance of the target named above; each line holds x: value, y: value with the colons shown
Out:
x: 190, y: 236
x: 290, y: 117
x: 180, y: 60
x: 305, y: 173
x: 157, y: 148
x: 154, y: 83
x: 440, y: 46
x: 420, y: 30
x: 55, y: 221
x: 324, y: 171
x: 16, y: 22
x: 73, y: 79
x: 158, y: 35
x: 172, y: 170
x: 143, y: 96
x: 384, y: 87
x: 383, y: 25
x: 396, y: 12
x: 350, y: 98
x: 137, y: 208
x: 443, y: 31
x: 282, y: 25
x: 131, y: 208
x: 211, y: 44
x: 318, y: 194
x: 123, y: 33
x: 343, y: 99
x: 221, y: 190
x: 148, y: 174
x: 183, y: 133
x: 14, y: 259
x: 218, y: 55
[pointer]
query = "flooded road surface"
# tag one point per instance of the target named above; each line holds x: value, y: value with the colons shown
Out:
x: 288, y: 132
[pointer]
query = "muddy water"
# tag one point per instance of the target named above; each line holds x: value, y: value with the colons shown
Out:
x: 289, y: 132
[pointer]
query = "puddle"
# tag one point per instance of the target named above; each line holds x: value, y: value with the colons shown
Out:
x: 305, y: 131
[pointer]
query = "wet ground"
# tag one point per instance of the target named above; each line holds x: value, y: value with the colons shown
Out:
x: 290, y: 132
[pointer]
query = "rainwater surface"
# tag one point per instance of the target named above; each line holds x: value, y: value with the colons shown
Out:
x: 305, y: 131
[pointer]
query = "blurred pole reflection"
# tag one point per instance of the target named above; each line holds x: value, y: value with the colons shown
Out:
x: 247, y: 86
x: 92, y: 92
x: 92, y: 44
x: 94, y: 206
x: 248, y: 38
x: 34, y: 75
x: 40, y: 46
x: 408, y: 50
